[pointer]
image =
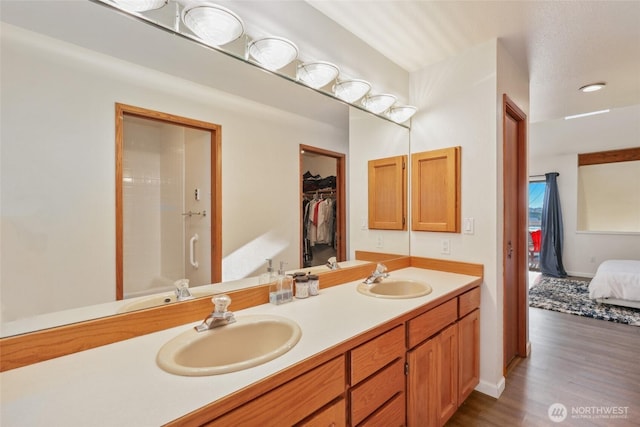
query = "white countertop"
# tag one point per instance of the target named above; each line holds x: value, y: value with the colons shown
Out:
x: 121, y: 385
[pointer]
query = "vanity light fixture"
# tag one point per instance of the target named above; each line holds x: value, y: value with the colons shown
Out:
x: 273, y: 53
x: 140, y: 5
x: 593, y: 87
x: 378, y: 104
x: 351, y: 90
x: 317, y: 74
x: 215, y: 25
x: 401, y: 113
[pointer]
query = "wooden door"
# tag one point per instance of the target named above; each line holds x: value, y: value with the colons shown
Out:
x: 514, y: 232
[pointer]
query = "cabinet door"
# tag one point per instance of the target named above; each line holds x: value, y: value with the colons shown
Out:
x: 387, y: 193
x: 469, y: 354
x: 447, y: 368
x: 435, y: 190
x: 422, y: 393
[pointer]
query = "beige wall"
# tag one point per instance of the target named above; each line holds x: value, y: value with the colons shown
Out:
x: 460, y: 103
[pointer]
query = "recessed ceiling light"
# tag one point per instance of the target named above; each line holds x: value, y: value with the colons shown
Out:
x: 593, y: 87
x: 591, y: 113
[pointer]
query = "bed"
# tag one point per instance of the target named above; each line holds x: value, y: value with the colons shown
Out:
x: 617, y: 282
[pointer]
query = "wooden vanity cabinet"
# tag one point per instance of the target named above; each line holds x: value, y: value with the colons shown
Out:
x: 443, y: 360
x: 415, y: 373
x: 377, y: 380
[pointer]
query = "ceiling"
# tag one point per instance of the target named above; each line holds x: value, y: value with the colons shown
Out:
x: 562, y: 44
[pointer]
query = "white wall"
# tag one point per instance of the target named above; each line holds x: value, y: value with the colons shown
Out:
x: 554, y: 148
x: 58, y: 170
x: 459, y: 103
x: 371, y: 138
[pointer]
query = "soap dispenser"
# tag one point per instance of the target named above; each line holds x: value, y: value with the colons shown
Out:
x: 269, y: 276
x: 281, y: 290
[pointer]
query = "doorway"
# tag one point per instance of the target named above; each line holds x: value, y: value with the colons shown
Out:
x: 167, y: 201
x: 515, y: 243
x: 322, y: 220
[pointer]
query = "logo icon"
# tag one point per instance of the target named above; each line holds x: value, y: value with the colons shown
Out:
x: 557, y: 412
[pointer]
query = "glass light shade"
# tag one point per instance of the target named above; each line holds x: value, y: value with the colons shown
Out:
x: 351, y: 90
x: 378, y: 103
x: 593, y: 87
x: 140, y: 5
x: 401, y: 113
x: 273, y: 52
x: 215, y: 25
x: 317, y: 74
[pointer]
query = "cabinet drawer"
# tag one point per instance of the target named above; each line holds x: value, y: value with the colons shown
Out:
x: 368, y: 396
x: 429, y: 323
x: 377, y: 353
x: 292, y: 401
x: 334, y: 415
x: 468, y: 302
x: 390, y: 415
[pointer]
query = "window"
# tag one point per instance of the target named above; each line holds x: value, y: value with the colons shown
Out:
x: 536, y: 198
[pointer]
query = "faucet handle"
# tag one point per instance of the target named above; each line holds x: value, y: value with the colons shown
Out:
x: 381, y: 268
x: 221, y: 302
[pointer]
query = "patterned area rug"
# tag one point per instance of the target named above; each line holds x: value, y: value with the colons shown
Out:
x: 571, y: 295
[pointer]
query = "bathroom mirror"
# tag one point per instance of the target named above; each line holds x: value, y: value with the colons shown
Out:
x: 58, y: 151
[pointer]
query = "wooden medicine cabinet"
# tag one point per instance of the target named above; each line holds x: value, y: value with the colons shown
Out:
x: 388, y: 193
x: 435, y: 190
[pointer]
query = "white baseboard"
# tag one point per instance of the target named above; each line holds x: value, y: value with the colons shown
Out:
x: 490, y: 389
x: 580, y: 274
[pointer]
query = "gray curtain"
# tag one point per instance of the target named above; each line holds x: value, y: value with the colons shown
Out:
x: 552, y: 230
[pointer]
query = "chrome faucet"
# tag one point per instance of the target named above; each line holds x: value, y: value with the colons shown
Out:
x: 379, y: 273
x: 182, y: 290
x: 219, y: 316
x: 332, y: 263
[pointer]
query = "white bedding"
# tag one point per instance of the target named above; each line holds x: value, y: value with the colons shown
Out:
x: 616, y: 279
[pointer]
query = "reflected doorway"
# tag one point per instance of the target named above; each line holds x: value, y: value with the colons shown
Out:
x: 167, y: 202
x: 322, y: 206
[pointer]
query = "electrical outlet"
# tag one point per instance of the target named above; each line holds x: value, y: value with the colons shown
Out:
x: 445, y: 246
x: 380, y: 242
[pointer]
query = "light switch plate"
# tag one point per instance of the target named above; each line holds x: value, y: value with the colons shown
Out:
x: 468, y: 226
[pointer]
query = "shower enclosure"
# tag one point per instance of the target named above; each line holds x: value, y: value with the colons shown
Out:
x: 166, y: 205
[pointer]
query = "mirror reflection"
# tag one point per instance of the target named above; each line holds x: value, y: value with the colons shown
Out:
x: 58, y: 166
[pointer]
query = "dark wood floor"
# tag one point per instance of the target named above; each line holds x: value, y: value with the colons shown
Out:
x: 583, y: 363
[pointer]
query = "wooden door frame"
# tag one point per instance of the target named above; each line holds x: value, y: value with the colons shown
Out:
x: 509, y: 108
x: 341, y: 212
x: 216, y: 184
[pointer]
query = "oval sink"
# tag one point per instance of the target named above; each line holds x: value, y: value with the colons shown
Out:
x: 250, y: 341
x: 395, y: 289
